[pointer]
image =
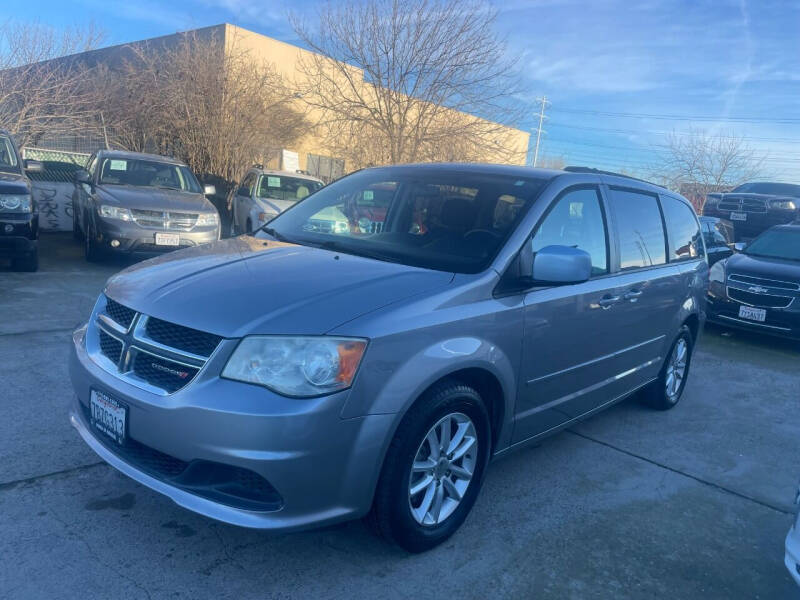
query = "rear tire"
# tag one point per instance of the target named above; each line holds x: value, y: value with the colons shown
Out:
x: 28, y: 263
x: 420, y: 520
x: 667, y: 390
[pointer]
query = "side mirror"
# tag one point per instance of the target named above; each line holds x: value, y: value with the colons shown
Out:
x: 82, y: 176
x: 209, y: 190
x: 34, y: 166
x: 561, y: 265
x: 739, y: 246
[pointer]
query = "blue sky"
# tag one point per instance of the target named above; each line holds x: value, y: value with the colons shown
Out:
x: 723, y: 66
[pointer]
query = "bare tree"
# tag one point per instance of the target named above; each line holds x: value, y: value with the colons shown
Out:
x: 397, y: 81
x: 703, y: 162
x: 205, y: 100
x: 43, y: 90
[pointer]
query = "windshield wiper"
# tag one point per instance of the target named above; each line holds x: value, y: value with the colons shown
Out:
x: 336, y: 247
x: 271, y: 231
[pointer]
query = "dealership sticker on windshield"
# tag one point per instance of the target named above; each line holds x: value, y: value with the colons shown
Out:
x: 119, y: 165
x: 273, y: 182
x: 368, y: 194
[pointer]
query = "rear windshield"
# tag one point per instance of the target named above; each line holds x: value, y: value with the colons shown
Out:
x: 148, y: 173
x: 776, y: 243
x: 773, y: 189
x: 436, y: 219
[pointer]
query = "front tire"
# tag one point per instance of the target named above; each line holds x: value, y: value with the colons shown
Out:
x: 433, y: 469
x: 77, y: 234
x: 667, y: 390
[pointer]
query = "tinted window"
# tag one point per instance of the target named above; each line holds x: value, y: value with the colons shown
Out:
x: 147, y: 173
x: 640, y: 229
x: 576, y: 220
x: 281, y: 187
x: 776, y: 243
x: 682, y: 229
x: 776, y: 189
x: 433, y: 218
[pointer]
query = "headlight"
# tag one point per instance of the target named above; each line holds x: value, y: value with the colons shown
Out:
x: 115, y: 212
x: 717, y: 272
x: 20, y: 203
x: 782, y: 204
x: 266, y: 216
x: 341, y: 226
x: 296, y: 366
x: 207, y: 219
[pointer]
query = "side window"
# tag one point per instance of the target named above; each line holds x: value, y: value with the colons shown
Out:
x: 640, y: 229
x: 682, y: 229
x: 576, y: 220
x: 92, y: 165
x: 247, y: 184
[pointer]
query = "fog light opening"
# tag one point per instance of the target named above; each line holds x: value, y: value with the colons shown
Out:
x: 114, y: 243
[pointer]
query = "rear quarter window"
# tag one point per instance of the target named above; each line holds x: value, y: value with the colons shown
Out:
x: 683, y: 230
x: 639, y: 228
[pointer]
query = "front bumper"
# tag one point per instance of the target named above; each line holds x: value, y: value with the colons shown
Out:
x: 780, y: 322
x: 18, y: 234
x: 323, y: 467
x: 134, y: 239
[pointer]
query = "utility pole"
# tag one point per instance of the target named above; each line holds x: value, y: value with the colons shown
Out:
x: 543, y: 101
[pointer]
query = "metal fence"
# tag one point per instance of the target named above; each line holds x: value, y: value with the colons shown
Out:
x: 58, y: 165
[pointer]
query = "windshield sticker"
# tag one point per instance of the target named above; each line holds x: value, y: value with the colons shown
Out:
x: 273, y: 182
x: 119, y: 165
x: 368, y: 195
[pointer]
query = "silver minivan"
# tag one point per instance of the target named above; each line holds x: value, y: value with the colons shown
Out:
x: 305, y: 375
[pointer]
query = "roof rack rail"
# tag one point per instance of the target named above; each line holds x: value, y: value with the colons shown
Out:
x: 601, y: 172
x: 257, y: 166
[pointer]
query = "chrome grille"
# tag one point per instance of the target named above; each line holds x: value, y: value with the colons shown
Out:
x: 166, y: 220
x: 759, y: 300
x: 150, y: 353
x: 750, y: 205
x: 761, y: 281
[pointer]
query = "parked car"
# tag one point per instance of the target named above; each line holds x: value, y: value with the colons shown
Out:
x: 792, y: 545
x: 264, y: 194
x: 133, y: 203
x: 317, y: 376
x: 718, y: 236
x: 757, y: 288
x: 755, y: 207
x: 19, y: 215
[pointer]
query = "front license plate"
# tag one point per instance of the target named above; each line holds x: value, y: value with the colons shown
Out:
x: 108, y: 416
x: 168, y: 239
x: 738, y: 216
x: 754, y: 314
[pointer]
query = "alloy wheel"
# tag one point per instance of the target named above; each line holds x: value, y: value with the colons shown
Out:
x: 676, y: 370
x: 442, y: 469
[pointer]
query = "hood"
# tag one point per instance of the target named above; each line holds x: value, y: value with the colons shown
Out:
x: 245, y: 285
x: 768, y: 268
x: 14, y: 183
x: 753, y: 196
x: 149, y: 198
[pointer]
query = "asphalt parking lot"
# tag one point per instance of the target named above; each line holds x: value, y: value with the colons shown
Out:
x: 634, y: 503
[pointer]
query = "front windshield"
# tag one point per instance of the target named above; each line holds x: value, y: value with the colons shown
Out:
x: 8, y: 158
x: 280, y: 187
x: 773, y: 189
x: 436, y: 219
x: 776, y: 243
x: 147, y: 173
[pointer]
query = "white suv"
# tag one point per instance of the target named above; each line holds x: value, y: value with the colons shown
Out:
x: 263, y: 194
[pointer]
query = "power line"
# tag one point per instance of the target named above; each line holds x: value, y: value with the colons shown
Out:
x: 666, y: 117
x: 684, y: 133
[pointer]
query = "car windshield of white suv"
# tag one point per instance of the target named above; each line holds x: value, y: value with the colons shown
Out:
x: 280, y: 187
x: 430, y: 218
x: 773, y: 189
x: 776, y: 243
x: 148, y: 173
x: 8, y: 158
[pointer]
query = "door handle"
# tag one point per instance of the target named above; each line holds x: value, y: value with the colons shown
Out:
x: 632, y: 295
x: 608, y: 301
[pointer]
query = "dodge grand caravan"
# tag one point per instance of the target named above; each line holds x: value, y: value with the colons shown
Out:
x: 297, y: 377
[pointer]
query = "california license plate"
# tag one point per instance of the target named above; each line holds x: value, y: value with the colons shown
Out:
x: 108, y: 416
x: 754, y: 314
x: 738, y: 216
x: 168, y: 239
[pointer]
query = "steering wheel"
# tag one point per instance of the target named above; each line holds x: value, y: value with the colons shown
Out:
x: 494, y: 234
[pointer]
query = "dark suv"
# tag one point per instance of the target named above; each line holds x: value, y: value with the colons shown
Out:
x: 19, y: 216
x: 755, y: 207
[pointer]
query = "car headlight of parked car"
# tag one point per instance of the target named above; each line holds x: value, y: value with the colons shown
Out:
x: 207, y: 219
x: 115, y: 212
x: 782, y: 204
x: 297, y: 366
x: 16, y: 203
x: 263, y: 217
x: 717, y: 272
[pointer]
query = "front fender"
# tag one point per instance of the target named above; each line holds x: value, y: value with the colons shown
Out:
x: 387, y: 387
